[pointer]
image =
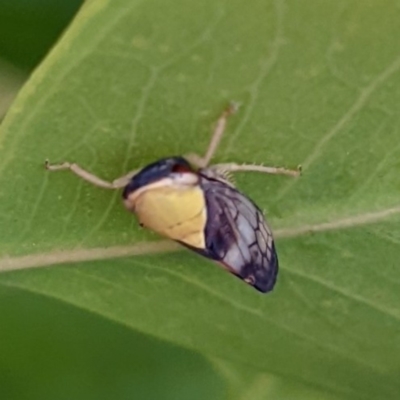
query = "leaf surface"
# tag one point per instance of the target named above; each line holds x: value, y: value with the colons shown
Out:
x: 131, y: 82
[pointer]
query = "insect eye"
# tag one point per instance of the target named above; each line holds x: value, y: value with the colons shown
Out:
x: 183, y: 175
x: 179, y: 168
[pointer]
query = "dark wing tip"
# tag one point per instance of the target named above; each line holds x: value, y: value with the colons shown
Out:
x: 262, y: 277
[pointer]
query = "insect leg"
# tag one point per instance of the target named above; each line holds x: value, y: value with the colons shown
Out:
x: 219, y: 129
x: 89, y: 177
x: 233, y: 167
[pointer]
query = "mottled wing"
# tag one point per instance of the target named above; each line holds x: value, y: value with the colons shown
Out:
x: 238, y: 236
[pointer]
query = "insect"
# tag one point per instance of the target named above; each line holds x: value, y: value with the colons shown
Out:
x: 197, y: 205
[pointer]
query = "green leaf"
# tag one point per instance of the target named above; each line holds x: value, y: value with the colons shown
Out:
x: 134, y: 81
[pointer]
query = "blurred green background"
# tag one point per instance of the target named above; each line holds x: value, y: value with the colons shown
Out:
x: 49, y: 350
x: 28, y: 29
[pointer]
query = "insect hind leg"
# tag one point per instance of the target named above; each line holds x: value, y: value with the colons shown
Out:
x: 234, y: 167
x: 202, y: 162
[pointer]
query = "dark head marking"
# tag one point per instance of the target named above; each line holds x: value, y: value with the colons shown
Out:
x: 156, y: 171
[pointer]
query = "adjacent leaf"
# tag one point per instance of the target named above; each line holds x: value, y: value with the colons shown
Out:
x: 62, y: 352
x: 29, y: 27
x: 134, y: 81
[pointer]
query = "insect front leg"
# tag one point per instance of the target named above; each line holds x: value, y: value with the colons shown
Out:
x: 89, y: 177
x: 233, y: 167
x: 202, y: 162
